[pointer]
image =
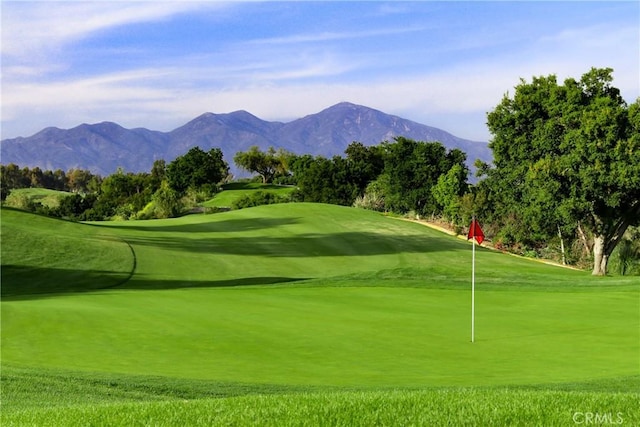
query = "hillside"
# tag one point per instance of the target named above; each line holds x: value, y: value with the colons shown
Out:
x: 103, y: 147
x: 42, y: 255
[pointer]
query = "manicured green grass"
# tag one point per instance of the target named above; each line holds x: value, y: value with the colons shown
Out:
x: 44, y: 255
x: 235, y: 190
x: 327, y: 336
x: 335, y: 303
x: 131, y: 401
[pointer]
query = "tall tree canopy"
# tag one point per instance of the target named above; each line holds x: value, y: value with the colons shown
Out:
x: 568, y: 156
x: 268, y: 164
x: 412, y: 169
x: 196, y: 169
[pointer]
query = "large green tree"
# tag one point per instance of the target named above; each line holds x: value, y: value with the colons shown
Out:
x: 568, y: 156
x: 268, y: 164
x: 323, y: 180
x: 412, y: 169
x: 196, y: 169
x: 449, y: 190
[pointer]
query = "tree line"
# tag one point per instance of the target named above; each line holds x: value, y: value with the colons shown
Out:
x: 564, y: 182
x: 394, y: 176
x: 161, y: 193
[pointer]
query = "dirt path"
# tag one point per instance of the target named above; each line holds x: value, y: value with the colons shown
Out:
x: 486, y: 244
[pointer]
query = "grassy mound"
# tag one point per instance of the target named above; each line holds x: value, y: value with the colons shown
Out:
x: 43, y: 255
x: 235, y: 190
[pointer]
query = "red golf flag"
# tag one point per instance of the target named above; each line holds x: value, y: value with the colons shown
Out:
x: 475, y: 231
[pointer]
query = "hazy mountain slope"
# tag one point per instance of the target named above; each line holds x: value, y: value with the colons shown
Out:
x: 103, y: 147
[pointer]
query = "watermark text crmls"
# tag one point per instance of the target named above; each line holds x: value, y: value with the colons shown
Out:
x: 598, y: 418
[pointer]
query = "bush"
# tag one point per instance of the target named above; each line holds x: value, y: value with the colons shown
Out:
x: 167, y: 202
x: 258, y: 198
x: 371, y: 201
x: 20, y: 201
x: 626, y: 258
x: 373, y: 198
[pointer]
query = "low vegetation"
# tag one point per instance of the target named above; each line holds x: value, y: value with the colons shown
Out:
x: 237, y: 194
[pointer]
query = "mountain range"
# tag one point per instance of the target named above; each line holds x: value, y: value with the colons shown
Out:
x: 104, y: 147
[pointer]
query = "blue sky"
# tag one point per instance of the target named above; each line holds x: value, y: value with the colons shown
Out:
x: 159, y: 64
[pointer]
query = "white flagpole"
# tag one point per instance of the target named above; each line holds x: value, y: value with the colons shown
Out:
x: 473, y: 281
x: 473, y: 288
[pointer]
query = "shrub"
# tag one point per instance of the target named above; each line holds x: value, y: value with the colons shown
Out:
x: 626, y: 257
x: 373, y: 198
x: 167, y: 202
x: 20, y: 201
x: 258, y: 198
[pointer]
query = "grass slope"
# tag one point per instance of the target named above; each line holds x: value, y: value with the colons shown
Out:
x: 45, y: 255
x: 315, y: 299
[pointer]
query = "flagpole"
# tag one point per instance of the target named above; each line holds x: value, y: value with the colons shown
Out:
x: 475, y: 233
x: 473, y: 286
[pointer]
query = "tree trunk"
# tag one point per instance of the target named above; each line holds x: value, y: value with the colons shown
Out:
x: 583, y: 239
x: 564, y: 257
x: 600, y: 257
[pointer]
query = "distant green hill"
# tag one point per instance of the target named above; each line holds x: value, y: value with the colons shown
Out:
x: 48, y: 198
x: 233, y: 191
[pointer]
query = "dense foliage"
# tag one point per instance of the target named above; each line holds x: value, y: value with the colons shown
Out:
x: 399, y: 175
x: 567, y: 161
x: 197, y: 170
x: 268, y: 165
x: 75, y: 180
x: 163, y: 192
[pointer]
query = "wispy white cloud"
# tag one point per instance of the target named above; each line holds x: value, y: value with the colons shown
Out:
x: 394, y: 8
x: 337, y: 35
x: 31, y: 28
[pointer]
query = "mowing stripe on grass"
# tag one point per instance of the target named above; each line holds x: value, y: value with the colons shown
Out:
x: 306, y: 297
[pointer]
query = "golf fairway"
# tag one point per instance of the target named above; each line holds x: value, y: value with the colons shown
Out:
x: 289, y: 298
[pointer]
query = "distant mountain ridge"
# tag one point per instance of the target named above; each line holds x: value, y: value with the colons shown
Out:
x: 104, y: 147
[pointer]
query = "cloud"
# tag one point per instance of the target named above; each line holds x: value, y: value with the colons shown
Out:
x: 154, y: 98
x: 573, y: 51
x: 333, y: 36
x: 291, y: 76
x: 33, y: 28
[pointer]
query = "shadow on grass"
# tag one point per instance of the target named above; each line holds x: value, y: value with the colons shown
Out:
x: 303, y: 245
x: 139, y: 283
x: 26, y: 283
x: 227, y: 226
x: 20, y: 280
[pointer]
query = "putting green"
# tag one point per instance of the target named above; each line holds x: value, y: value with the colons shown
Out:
x: 340, y: 336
